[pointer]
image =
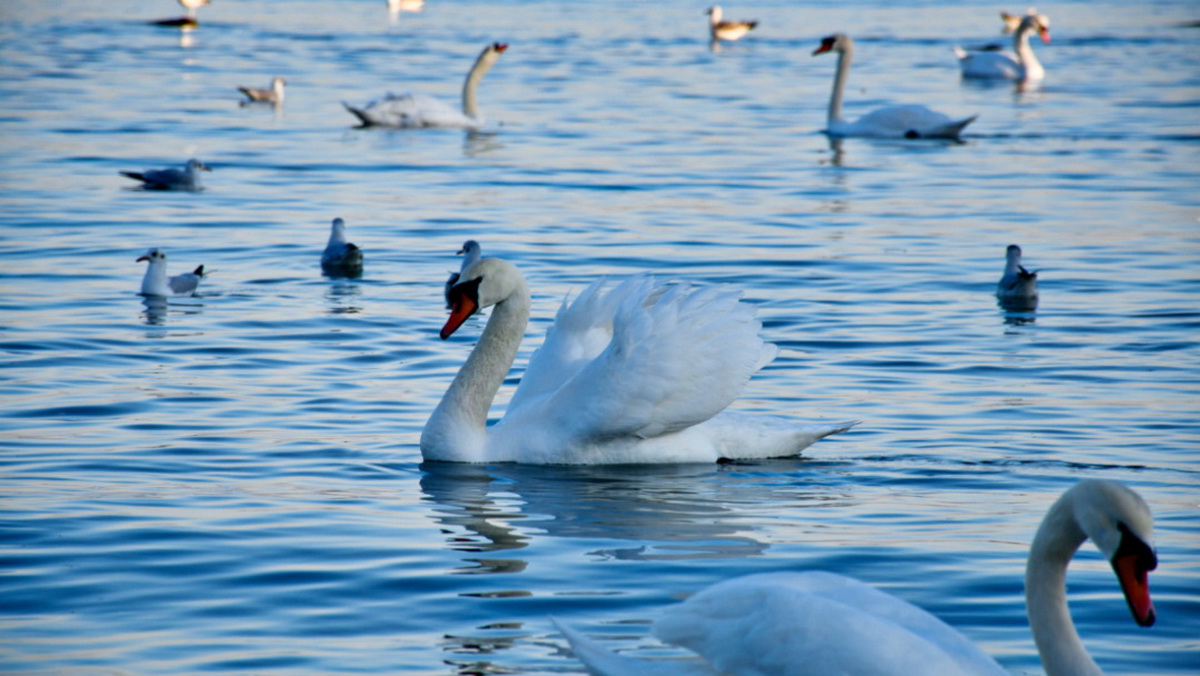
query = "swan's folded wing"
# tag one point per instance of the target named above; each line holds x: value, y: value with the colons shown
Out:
x: 678, y: 356
x: 816, y: 623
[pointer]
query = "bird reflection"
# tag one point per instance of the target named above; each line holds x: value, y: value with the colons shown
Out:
x: 667, y: 512
x: 157, y: 308
x: 476, y: 143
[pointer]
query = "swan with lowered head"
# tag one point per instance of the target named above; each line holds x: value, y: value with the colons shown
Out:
x: 186, y: 179
x: 639, y: 372
x: 471, y: 253
x: 419, y: 110
x: 341, y: 257
x: 908, y: 121
x: 1017, y: 288
x: 1020, y: 64
x: 157, y: 283
x: 730, y: 31
x: 788, y: 624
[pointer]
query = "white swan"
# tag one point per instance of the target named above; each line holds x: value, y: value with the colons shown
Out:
x: 419, y: 110
x: 187, y: 178
x: 471, y: 253
x: 272, y: 94
x: 730, y: 31
x: 909, y: 121
x: 640, y: 372
x: 1021, y: 64
x: 1017, y: 288
x: 788, y: 624
x: 341, y: 258
x: 156, y: 282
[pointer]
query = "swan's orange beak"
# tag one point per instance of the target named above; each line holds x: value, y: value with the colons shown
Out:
x: 500, y: 46
x: 464, y: 306
x: 822, y: 49
x: 1133, y: 573
x: 1044, y: 34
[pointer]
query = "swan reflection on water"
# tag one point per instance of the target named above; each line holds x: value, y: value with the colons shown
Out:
x: 667, y: 512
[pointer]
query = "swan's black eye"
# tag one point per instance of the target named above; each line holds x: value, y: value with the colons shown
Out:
x: 1147, y: 560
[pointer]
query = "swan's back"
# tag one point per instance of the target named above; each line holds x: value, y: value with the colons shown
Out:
x: 412, y: 111
x: 816, y: 623
x: 904, y: 121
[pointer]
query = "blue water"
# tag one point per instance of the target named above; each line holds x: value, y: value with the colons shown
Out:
x: 231, y: 483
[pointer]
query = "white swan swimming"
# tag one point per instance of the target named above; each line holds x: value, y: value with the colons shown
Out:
x: 908, y: 121
x: 272, y: 94
x: 419, y: 110
x: 156, y: 282
x: 788, y: 624
x: 471, y: 253
x: 719, y: 29
x: 341, y: 258
x: 1017, y: 287
x: 1020, y: 64
x: 639, y: 372
x: 187, y: 179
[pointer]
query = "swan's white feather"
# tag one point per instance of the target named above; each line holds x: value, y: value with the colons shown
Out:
x: 901, y: 121
x: 413, y: 110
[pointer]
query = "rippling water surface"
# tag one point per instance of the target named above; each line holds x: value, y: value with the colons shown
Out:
x: 231, y: 482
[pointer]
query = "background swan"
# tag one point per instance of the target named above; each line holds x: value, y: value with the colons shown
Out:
x: 908, y: 121
x: 187, y: 178
x: 156, y: 282
x: 341, y: 258
x: 471, y: 253
x: 789, y: 624
x: 1017, y: 288
x: 719, y: 29
x: 1020, y: 64
x: 419, y: 110
x: 636, y: 372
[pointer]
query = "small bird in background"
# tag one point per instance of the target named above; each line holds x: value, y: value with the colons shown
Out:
x: 726, y: 30
x: 341, y: 258
x: 471, y: 253
x: 187, y: 179
x: 272, y: 95
x: 190, y: 6
x: 1017, y: 289
x: 157, y: 283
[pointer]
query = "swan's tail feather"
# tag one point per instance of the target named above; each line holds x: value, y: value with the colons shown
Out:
x: 838, y: 428
x: 950, y: 129
x: 361, y: 115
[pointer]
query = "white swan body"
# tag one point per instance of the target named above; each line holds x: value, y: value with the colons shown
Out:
x: 471, y: 253
x: 156, y: 282
x: 1021, y: 64
x: 341, y: 258
x: 186, y: 179
x: 719, y: 29
x: 273, y: 94
x: 1017, y: 287
x: 639, y: 372
x: 788, y: 624
x: 419, y: 110
x: 907, y: 121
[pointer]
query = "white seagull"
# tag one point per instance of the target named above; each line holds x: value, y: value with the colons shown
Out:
x: 793, y: 624
x: 187, y: 179
x: 341, y: 258
x: 726, y: 30
x: 157, y: 283
x: 272, y: 94
x: 471, y: 253
x: 1017, y: 288
x: 420, y: 110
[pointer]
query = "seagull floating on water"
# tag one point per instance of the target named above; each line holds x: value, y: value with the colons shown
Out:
x: 157, y: 283
x: 341, y: 258
x: 1017, y: 288
x: 727, y: 30
x: 471, y: 253
x: 187, y: 179
x: 189, y: 20
x: 272, y: 94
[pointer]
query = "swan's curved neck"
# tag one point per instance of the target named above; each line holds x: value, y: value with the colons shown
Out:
x: 482, y: 65
x: 845, y: 57
x: 1050, y: 621
x: 457, y: 429
x: 1025, y: 56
